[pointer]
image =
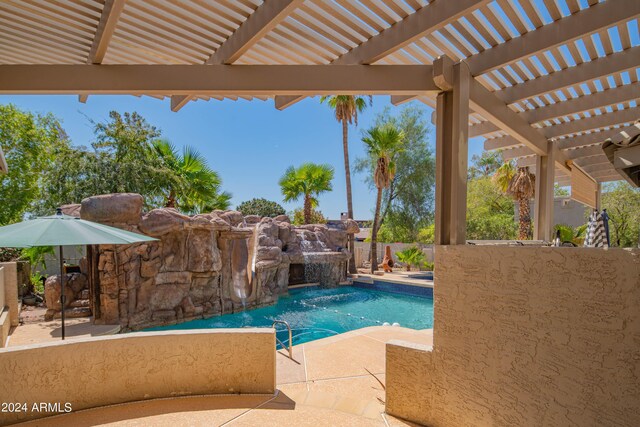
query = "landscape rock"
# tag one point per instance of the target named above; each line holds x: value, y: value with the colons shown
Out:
x: 199, y: 263
x: 72, y: 210
x: 283, y: 218
x: 117, y: 208
x: 159, y: 222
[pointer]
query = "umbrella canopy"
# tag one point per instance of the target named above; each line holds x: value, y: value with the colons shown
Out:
x: 595, y: 231
x: 64, y: 230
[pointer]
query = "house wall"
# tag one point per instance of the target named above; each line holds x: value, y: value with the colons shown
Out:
x: 4, y: 313
x: 11, y: 290
x: 122, y: 368
x: 526, y: 336
x: 565, y: 211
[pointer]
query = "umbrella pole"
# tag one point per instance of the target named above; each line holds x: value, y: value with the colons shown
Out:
x: 62, y: 296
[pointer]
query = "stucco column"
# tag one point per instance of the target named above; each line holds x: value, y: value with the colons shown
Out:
x: 543, y: 211
x: 452, y: 118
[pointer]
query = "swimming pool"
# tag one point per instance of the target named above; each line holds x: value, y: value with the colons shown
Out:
x: 315, y: 313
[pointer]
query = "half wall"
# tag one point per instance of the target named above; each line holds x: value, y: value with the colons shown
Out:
x: 525, y: 336
x: 124, y: 368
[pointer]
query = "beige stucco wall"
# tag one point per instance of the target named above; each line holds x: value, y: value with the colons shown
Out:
x: 4, y: 313
x: 129, y: 367
x: 526, y: 336
x: 11, y: 290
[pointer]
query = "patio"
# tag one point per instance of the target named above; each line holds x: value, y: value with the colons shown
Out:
x: 327, y: 383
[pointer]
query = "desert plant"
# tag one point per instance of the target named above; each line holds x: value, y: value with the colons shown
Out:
x: 193, y: 186
x: 261, y: 207
x: 520, y: 185
x: 307, y: 181
x: 316, y: 217
x: 427, y: 266
x: 383, y: 143
x: 569, y: 234
x: 411, y: 256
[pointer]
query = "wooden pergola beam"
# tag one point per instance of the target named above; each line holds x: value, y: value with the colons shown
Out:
x: 501, y: 143
x: 251, y: 80
x: 264, y: 19
x: 563, y: 31
x: 489, y: 106
x: 402, y: 99
x: 576, y: 153
x: 594, y: 122
x: 614, y: 63
x: 425, y: 20
x: 106, y: 27
x: 584, y: 103
x: 482, y: 129
x: 591, y: 138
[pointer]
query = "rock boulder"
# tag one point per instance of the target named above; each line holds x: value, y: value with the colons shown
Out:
x: 117, y: 208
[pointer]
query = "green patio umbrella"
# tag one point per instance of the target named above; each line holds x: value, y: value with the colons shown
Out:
x: 64, y: 230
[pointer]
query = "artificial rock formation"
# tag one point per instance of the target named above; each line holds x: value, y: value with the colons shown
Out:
x: 76, y: 296
x: 204, y: 265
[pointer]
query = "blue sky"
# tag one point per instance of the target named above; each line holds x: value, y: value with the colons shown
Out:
x: 249, y: 143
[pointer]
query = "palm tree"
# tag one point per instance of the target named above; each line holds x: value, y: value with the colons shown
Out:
x: 346, y: 109
x: 192, y: 186
x: 383, y: 143
x: 503, y: 175
x: 520, y: 184
x: 308, y: 181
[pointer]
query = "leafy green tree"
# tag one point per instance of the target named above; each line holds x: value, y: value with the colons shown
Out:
x: 408, y: 203
x: 261, y: 207
x: 307, y: 181
x: 120, y: 160
x: 622, y: 203
x: 427, y: 235
x: 559, y: 191
x: 316, y: 217
x: 485, y: 164
x: 29, y: 142
x: 383, y: 143
x: 193, y: 186
x: 490, y: 213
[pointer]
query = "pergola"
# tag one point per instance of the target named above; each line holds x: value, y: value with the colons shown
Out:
x: 545, y: 81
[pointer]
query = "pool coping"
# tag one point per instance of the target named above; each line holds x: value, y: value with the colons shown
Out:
x: 395, y: 285
x: 398, y: 280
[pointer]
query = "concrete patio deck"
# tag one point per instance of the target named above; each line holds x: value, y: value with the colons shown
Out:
x: 41, y: 331
x: 333, y: 381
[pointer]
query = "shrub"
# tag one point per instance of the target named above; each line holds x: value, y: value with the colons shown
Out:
x: 261, y: 207
x: 316, y: 217
x: 411, y: 256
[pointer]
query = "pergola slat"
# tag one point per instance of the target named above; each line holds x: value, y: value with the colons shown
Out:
x: 617, y: 62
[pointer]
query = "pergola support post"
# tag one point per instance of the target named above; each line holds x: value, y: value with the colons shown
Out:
x: 543, y: 215
x: 452, y: 129
x: 599, y: 197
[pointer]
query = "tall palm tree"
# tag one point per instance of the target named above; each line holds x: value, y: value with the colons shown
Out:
x: 383, y: 143
x: 191, y: 185
x: 307, y: 181
x: 346, y: 109
x: 503, y: 175
x: 520, y: 184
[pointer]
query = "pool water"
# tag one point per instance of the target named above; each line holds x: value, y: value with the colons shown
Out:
x: 315, y: 313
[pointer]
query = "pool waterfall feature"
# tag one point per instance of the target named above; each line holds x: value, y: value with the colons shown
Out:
x: 203, y: 265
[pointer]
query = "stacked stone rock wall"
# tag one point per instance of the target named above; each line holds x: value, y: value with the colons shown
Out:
x: 189, y: 272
